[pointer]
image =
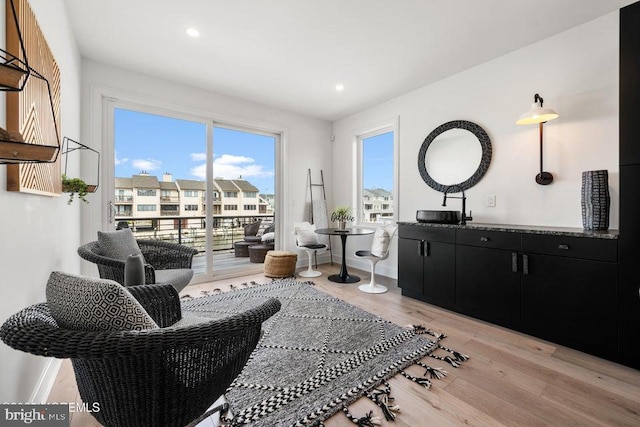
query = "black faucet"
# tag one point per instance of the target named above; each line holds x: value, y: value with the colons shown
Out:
x: 463, y: 217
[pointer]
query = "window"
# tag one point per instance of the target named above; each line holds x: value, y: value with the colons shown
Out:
x: 191, y: 193
x: 230, y: 194
x: 230, y: 207
x: 123, y: 210
x: 377, y: 176
x: 190, y: 207
x: 250, y: 207
x: 249, y: 194
x: 122, y: 197
x: 142, y: 192
x: 146, y: 208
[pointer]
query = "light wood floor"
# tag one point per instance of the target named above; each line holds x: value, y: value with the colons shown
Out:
x: 510, y: 379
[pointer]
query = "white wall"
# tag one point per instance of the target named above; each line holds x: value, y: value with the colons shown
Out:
x: 306, y: 140
x: 39, y: 234
x: 576, y: 72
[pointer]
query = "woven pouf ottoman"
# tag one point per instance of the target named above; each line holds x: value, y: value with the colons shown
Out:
x: 280, y: 264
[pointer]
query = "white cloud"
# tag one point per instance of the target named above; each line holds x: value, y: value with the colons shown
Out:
x: 146, y: 164
x: 230, y: 159
x: 119, y: 161
x: 199, y: 171
x: 228, y: 166
x: 198, y: 157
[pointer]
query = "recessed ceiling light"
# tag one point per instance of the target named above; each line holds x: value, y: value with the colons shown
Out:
x: 192, y: 32
x: 339, y: 87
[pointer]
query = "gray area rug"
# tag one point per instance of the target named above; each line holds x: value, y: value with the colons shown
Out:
x: 318, y: 354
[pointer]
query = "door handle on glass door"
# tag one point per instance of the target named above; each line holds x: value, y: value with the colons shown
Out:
x: 112, y: 212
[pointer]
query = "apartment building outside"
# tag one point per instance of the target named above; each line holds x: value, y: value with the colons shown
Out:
x: 377, y: 205
x: 182, y: 201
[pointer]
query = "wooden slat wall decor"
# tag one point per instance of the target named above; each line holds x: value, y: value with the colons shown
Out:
x: 29, y: 111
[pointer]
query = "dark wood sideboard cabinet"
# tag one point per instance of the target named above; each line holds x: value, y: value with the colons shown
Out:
x: 560, y: 288
x: 428, y: 259
x: 629, y: 297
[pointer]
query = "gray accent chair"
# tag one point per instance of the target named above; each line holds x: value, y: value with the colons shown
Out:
x: 165, y: 371
x: 165, y: 262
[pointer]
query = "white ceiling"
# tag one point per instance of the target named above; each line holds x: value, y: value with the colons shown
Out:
x: 291, y: 53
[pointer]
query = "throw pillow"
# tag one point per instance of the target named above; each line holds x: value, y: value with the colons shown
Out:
x: 380, y: 243
x: 305, y: 234
x: 88, y: 304
x: 269, y: 237
x: 118, y: 244
x: 306, y: 237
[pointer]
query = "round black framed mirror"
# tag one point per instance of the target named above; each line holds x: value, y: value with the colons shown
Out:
x: 456, y: 153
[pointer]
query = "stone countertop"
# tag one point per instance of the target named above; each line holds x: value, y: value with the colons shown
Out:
x: 530, y: 229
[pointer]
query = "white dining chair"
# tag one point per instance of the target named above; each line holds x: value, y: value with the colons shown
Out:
x: 379, y: 252
x: 307, y: 240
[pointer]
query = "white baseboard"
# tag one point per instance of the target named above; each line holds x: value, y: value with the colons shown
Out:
x: 390, y: 271
x: 303, y: 259
x: 45, y: 382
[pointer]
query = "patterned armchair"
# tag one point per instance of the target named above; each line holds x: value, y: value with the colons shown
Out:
x: 132, y: 350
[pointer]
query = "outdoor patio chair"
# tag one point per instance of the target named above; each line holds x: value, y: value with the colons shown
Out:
x: 165, y: 262
x: 251, y: 232
x: 133, y: 352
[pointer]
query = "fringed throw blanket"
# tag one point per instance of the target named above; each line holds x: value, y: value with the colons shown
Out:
x: 318, y: 354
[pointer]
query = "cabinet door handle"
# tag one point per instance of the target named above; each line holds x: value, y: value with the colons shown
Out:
x: 484, y: 239
x: 525, y: 264
x: 563, y: 247
x: 427, y: 249
x: 514, y: 262
x: 421, y: 248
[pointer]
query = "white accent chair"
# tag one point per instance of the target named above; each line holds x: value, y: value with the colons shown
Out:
x: 307, y: 240
x: 379, y: 252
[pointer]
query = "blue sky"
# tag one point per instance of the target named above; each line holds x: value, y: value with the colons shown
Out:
x: 159, y: 144
x: 377, y: 156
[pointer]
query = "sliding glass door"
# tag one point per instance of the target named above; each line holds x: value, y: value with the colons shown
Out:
x: 193, y: 182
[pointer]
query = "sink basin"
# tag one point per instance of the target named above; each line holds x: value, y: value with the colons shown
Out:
x: 438, y: 217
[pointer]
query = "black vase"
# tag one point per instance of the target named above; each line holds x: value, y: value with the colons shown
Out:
x: 595, y: 200
x: 134, y: 270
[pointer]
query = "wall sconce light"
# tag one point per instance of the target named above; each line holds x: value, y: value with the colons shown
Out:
x: 539, y: 114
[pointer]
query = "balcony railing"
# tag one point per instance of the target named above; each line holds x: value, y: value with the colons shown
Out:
x: 191, y: 231
x: 169, y: 199
x: 125, y: 199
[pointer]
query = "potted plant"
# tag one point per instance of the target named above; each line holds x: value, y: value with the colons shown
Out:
x: 75, y: 186
x: 341, y: 214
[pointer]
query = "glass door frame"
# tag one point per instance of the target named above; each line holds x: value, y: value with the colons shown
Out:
x: 110, y: 104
